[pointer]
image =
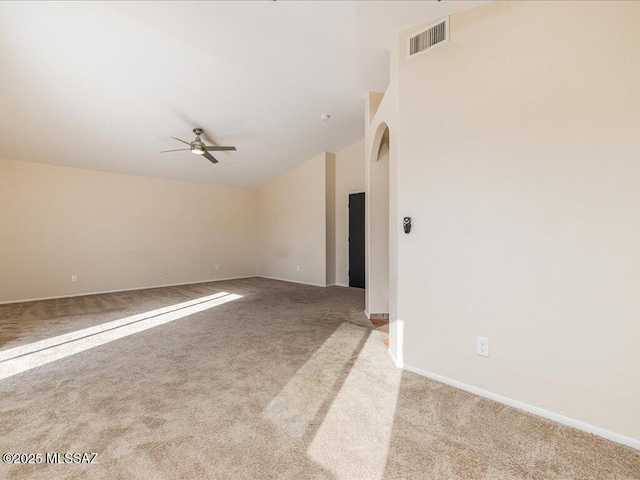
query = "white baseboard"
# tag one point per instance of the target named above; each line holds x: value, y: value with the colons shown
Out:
x: 290, y: 281
x: 124, y: 290
x: 393, y: 358
x: 6, y: 302
x: 556, y: 417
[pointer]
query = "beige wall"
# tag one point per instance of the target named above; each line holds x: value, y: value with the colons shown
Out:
x: 518, y: 158
x: 382, y: 119
x: 292, y: 224
x: 117, y: 231
x: 378, y: 271
x: 349, y: 179
x: 330, y: 217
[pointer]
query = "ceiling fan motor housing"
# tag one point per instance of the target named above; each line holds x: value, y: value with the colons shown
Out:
x: 197, y: 146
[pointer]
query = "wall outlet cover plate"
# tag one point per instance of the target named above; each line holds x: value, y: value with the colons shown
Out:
x: 482, y: 346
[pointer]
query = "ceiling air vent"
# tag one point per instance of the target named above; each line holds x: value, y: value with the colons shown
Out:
x: 429, y: 38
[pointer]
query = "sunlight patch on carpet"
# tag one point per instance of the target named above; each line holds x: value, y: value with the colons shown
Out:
x: 353, y: 439
x: 298, y: 403
x: 25, y: 357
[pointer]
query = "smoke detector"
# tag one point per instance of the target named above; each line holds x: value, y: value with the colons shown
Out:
x: 324, y: 117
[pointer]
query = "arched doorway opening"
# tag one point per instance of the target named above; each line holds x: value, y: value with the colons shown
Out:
x: 378, y: 229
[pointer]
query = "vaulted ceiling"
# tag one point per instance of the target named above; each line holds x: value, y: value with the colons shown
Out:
x: 104, y: 85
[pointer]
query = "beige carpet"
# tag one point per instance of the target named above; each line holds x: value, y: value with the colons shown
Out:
x: 288, y: 382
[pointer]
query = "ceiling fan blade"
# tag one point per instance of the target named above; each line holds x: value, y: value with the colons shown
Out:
x: 178, y: 150
x: 181, y: 140
x: 209, y: 157
x: 215, y: 148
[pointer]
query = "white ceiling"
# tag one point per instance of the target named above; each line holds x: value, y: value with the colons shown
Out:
x: 104, y: 85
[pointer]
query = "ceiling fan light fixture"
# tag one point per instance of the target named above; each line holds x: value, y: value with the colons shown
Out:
x: 199, y: 148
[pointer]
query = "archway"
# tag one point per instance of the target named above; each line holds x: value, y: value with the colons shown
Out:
x: 378, y: 228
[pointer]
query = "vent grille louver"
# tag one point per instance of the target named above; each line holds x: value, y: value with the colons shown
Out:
x: 429, y: 38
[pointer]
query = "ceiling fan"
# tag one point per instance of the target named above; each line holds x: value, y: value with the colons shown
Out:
x: 199, y: 148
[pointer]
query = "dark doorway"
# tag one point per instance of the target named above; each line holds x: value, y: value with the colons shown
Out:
x: 356, y: 240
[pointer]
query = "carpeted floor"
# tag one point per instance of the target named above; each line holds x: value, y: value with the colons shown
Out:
x: 289, y: 381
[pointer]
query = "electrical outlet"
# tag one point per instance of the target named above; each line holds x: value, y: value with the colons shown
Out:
x: 74, y: 278
x: 482, y: 346
x: 297, y: 268
x: 217, y: 267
